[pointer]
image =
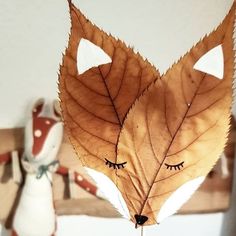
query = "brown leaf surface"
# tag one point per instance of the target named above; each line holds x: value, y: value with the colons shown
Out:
x: 181, y: 118
x: 95, y: 103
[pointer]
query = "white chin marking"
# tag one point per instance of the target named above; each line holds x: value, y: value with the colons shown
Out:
x: 212, y: 62
x: 90, y: 55
x: 178, y: 198
x: 109, y: 191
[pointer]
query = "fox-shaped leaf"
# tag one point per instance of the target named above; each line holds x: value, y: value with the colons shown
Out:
x: 155, y: 138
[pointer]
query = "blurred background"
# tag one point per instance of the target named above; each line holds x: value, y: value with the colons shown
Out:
x: 33, y: 36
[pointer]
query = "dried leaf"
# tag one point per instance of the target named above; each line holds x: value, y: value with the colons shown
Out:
x: 95, y: 103
x: 177, y: 130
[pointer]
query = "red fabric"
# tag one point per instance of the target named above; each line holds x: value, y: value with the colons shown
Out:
x: 79, y: 180
x: 5, y: 158
x: 13, y: 233
x: 42, y: 125
x: 62, y: 170
x: 85, y: 184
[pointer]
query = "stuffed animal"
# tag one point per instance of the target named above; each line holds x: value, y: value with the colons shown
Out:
x: 35, y: 213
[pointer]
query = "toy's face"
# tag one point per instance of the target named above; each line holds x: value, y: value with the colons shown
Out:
x: 43, y: 134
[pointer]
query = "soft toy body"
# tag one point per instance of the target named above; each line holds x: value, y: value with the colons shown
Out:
x: 35, y: 212
x: 43, y: 137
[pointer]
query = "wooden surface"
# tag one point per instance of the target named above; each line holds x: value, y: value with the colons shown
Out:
x: 213, y: 196
x: 90, y: 207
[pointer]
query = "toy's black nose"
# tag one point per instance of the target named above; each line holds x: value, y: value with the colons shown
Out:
x: 140, y: 220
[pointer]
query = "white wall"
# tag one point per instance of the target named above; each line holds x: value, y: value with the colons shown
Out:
x: 33, y: 34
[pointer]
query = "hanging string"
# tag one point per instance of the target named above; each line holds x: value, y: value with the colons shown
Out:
x: 142, y: 233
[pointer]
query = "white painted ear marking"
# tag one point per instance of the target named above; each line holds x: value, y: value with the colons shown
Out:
x: 90, y: 55
x: 109, y: 190
x: 178, y: 198
x: 212, y: 62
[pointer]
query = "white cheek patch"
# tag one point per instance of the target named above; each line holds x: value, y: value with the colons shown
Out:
x: 90, y: 55
x: 109, y: 190
x: 178, y: 198
x: 212, y: 62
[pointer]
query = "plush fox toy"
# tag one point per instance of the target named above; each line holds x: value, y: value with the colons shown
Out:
x: 43, y: 137
x: 35, y: 213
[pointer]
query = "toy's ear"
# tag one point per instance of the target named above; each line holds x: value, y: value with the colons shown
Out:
x: 56, y: 109
x: 37, y: 107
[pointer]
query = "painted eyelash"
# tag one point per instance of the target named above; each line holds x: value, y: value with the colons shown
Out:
x: 176, y: 167
x: 114, y: 165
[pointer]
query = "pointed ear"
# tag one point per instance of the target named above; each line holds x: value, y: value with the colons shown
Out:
x: 57, y: 109
x: 90, y: 55
x: 212, y: 62
x: 37, y: 107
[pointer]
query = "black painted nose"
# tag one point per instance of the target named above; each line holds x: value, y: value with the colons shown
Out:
x: 140, y: 219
